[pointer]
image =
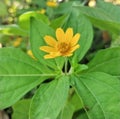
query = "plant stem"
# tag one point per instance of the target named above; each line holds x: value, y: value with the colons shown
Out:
x: 66, y: 64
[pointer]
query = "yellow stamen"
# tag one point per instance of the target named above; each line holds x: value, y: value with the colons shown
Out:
x: 63, y: 47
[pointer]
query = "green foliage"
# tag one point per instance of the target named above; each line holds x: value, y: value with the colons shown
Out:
x: 60, y: 21
x: 24, y: 19
x: 3, y: 9
x: 21, y: 109
x: 12, y: 30
x: 18, y: 75
x: 50, y: 99
x: 103, y: 16
x: 99, y: 93
x: 105, y: 61
x: 62, y: 88
x: 111, y: 9
x: 73, y: 104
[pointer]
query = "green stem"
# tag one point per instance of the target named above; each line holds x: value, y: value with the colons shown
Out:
x: 66, y: 64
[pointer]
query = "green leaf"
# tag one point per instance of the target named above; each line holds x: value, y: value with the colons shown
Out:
x: 67, y: 113
x: 80, y: 67
x: 115, y: 41
x: 100, y: 94
x: 58, y: 22
x: 67, y: 7
x: 3, y: 9
x: 50, y: 99
x: 21, y: 109
x: 73, y: 104
x: 112, y: 10
x: 100, y: 18
x: 81, y: 25
x: 18, y: 74
x: 107, y: 61
x: 12, y: 30
x: 24, y: 19
x: 64, y: 8
x: 38, y: 31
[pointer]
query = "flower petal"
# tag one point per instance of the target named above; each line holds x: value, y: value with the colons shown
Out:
x: 74, y: 48
x: 50, y: 40
x: 49, y: 56
x: 75, y: 39
x: 60, y: 35
x: 68, y: 54
x: 52, y: 55
x: 69, y: 34
x: 47, y: 49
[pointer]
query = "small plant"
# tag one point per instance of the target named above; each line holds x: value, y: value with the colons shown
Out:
x: 60, y: 85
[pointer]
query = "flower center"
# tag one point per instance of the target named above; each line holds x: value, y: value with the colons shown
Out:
x: 63, y: 47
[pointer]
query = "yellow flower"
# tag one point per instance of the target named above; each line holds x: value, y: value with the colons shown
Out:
x: 42, y: 11
x: 29, y: 52
x: 17, y: 42
x: 65, y: 44
x: 51, y: 4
